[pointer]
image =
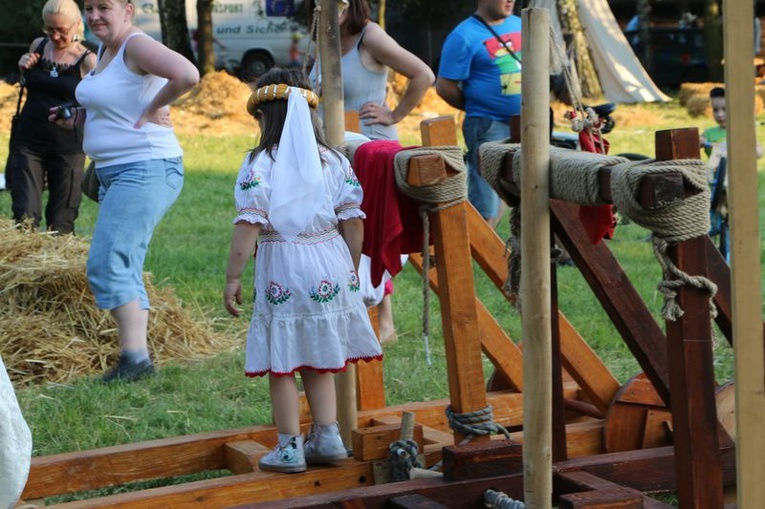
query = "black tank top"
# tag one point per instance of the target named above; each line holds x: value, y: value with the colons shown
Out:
x: 48, y: 86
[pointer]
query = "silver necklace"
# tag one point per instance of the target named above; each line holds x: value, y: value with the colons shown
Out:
x: 53, y: 70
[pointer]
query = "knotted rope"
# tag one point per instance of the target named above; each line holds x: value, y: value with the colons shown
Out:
x: 674, y: 223
x: 434, y: 197
x: 402, y: 457
x: 471, y: 424
x: 498, y: 500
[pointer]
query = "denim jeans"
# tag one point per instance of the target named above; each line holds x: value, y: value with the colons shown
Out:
x: 133, y: 199
x: 478, y: 130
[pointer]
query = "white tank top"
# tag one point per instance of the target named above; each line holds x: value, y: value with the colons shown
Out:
x: 114, y: 98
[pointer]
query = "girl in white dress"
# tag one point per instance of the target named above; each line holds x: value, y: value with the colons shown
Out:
x: 302, y: 200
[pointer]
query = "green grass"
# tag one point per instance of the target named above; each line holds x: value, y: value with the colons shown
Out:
x: 189, y: 253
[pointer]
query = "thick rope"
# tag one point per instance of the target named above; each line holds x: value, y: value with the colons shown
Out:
x: 402, y: 457
x: 671, y: 224
x: 492, y: 156
x: 452, y: 190
x: 471, y: 424
x: 498, y: 500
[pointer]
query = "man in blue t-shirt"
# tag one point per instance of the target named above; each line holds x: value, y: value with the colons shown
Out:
x: 480, y: 72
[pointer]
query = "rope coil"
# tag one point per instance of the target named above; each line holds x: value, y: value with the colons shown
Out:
x: 471, y: 424
x: 402, y: 457
x: 498, y: 500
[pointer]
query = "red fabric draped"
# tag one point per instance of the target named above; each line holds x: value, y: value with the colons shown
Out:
x: 598, y: 220
x: 393, y: 226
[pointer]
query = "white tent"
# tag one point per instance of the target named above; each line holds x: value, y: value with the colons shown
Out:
x: 622, y: 76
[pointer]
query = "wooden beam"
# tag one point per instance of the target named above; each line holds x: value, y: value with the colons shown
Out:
x: 459, y: 315
x: 749, y: 344
x: 370, y: 387
x: 689, y: 347
x: 617, y: 295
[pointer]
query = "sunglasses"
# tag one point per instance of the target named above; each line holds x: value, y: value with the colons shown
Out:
x: 63, y: 32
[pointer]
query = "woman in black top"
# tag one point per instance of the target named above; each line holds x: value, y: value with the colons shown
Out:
x: 42, y: 151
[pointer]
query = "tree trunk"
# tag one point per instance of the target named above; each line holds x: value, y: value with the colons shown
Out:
x: 175, y: 29
x: 569, y: 20
x: 381, y: 13
x: 713, y: 39
x: 204, y: 38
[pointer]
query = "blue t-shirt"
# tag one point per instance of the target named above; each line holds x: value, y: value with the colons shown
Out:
x: 490, y: 76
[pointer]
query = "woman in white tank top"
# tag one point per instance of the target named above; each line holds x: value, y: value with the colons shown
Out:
x: 139, y: 164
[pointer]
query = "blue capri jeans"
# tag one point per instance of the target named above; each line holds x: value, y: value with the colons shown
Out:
x: 133, y: 199
x: 478, y: 130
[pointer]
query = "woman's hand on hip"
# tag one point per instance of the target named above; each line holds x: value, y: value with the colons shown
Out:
x: 160, y: 116
x: 371, y: 113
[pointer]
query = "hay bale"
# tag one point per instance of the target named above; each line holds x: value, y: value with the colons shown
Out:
x: 698, y: 105
x: 50, y: 327
x: 688, y: 90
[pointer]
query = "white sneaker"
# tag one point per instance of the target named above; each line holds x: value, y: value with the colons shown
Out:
x: 324, y: 445
x: 287, y: 457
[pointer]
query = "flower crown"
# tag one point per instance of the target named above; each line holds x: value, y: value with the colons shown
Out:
x: 277, y: 93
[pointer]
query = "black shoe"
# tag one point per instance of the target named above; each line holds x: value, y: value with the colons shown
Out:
x: 126, y: 371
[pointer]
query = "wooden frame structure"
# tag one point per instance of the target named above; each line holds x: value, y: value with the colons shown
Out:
x: 585, y: 474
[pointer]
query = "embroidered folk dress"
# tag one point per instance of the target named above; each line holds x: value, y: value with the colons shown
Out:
x: 307, y: 307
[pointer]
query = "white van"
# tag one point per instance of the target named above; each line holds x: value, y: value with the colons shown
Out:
x: 256, y: 34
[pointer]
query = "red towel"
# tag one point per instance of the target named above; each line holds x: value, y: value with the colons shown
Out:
x: 598, y: 220
x: 393, y: 226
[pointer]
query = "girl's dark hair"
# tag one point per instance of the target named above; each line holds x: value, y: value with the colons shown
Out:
x: 272, y: 114
x: 717, y: 92
x: 358, y: 15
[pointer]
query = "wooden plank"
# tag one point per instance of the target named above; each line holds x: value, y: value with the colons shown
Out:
x: 121, y: 464
x: 614, y: 498
x: 373, y: 443
x: 439, y: 132
x: 239, y: 489
x: 574, y: 482
x: 455, y: 495
x: 242, y: 456
x: 370, y: 387
x: 414, y: 502
x: 352, y: 121
x: 690, y: 353
x: 483, y: 459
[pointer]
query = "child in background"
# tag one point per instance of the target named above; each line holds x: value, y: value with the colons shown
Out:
x: 301, y: 200
x: 714, y: 138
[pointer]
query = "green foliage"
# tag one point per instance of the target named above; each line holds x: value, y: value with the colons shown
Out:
x: 20, y: 23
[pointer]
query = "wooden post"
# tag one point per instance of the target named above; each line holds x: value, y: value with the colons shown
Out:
x: 535, y: 264
x: 459, y: 314
x: 745, y: 254
x: 334, y: 130
x: 698, y: 465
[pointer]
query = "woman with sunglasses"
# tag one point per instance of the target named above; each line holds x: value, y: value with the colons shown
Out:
x: 43, y: 152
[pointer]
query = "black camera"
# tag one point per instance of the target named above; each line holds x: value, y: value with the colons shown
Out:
x: 64, y: 111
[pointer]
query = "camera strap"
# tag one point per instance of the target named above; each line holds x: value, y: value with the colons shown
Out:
x: 502, y: 42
